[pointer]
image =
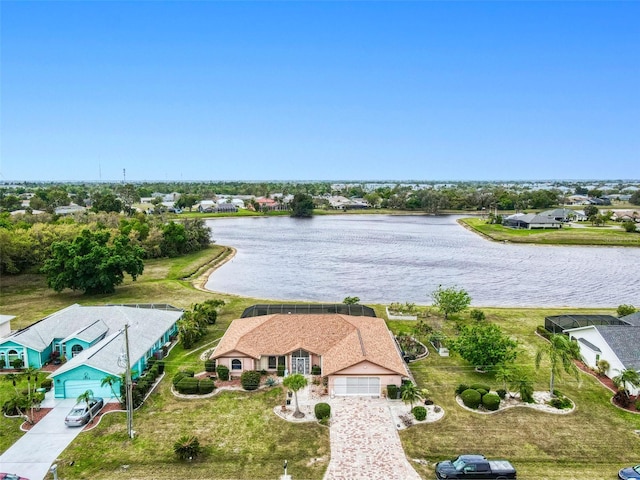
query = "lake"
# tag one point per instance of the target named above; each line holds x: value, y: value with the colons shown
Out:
x: 398, y: 258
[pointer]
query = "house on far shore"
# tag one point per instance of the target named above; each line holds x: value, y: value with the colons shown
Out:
x: 92, y: 341
x: 603, y: 337
x: 347, y: 344
x: 531, y: 221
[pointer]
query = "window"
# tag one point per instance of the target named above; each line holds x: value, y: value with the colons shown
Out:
x: 281, y: 360
x: 236, y: 364
x: 75, y: 350
x: 272, y: 363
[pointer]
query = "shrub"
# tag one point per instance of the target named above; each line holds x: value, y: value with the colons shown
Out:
x: 322, y: 410
x: 177, y: 377
x: 263, y: 372
x: 625, y: 309
x: 315, y: 370
x: 188, y: 372
x: 2, y: 363
x: 638, y: 404
x: 270, y: 382
x: 480, y: 386
x: 491, y: 401
x: 419, y: 413
x: 481, y: 391
x: 543, y: 332
x: 560, y: 402
x: 210, y: 366
x: 187, y: 447
x: 160, y: 365
x: 205, y: 386
x: 526, y: 392
x: 392, y: 391
x: 477, y: 315
x: 501, y: 393
x: 188, y: 386
x: 471, y: 398
x: 280, y: 371
x: 461, y: 388
x: 47, y: 383
x: 223, y: 372
x: 250, y: 380
x: 557, y: 393
x: 17, y: 363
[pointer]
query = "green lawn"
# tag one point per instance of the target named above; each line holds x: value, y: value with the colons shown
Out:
x: 567, y: 235
x: 244, y: 439
x: 593, y: 442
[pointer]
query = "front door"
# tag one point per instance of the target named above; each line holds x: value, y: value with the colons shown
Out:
x: 300, y: 366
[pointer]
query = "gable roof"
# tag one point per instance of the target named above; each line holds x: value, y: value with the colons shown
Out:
x: 633, y: 319
x: 341, y: 340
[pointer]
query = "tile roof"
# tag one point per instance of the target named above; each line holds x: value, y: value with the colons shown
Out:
x: 341, y: 340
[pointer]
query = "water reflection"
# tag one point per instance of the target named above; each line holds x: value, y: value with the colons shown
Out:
x: 384, y: 259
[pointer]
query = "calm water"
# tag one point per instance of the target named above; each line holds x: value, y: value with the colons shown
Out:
x: 384, y: 259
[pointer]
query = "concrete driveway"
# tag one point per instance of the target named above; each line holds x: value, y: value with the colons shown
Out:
x: 365, y: 443
x: 32, y: 455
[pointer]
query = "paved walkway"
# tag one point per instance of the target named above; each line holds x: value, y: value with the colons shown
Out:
x: 365, y: 442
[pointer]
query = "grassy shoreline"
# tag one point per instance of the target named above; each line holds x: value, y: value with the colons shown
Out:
x: 243, y: 439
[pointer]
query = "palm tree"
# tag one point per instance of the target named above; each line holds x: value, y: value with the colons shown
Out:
x: 562, y: 352
x: 13, y: 378
x: 111, y: 380
x: 86, y: 397
x: 295, y: 382
x: 627, y: 378
x: 410, y: 394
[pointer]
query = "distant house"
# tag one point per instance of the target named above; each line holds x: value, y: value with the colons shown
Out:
x: 225, y: 208
x: 605, y: 337
x: 564, y: 215
x: 358, y: 355
x: 531, y: 221
x: 206, y: 206
x: 626, y: 215
x: 91, y: 339
x: 69, y: 209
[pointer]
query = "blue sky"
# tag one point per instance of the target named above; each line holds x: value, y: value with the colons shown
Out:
x: 319, y: 90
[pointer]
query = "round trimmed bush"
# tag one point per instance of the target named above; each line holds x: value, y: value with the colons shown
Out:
x: 188, y: 386
x: 250, y: 379
x: 392, y: 391
x: 223, y: 372
x: 419, y: 413
x: 480, y: 386
x: 322, y: 410
x: 491, y: 401
x: 461, y: 388
x: 471, y: 398
x: 481, y: 391
x: 206, y: 385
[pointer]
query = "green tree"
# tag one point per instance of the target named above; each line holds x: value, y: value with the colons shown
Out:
x: 86, y: 397
x: 626, y: 380
x: 450, y: 300
x: 410, y: 394
x: 561, y: 352
x: 294, y: 383
x: 207, y: 312
x: 129, y: 196
x: 591, y: 212
x: 174, y: 239
x: 484, y: 345
x: 635, y: 198
x: 186, y: 201
x: 106, y: 202
x: 111, y: 380
x: 302, y: 205
x: 351, y: 300
x: 90, y: 264
x: 625, y: 309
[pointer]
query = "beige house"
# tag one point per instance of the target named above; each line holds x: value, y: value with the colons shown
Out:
x: 357, y: 354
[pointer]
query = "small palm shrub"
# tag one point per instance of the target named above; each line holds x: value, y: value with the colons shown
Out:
x: 223, y: 372
x: 461, y: 388
x: 392, y: 392
x: 270, y: 382
x: 250, y: 379
x: 205, y: 386
x: 491, y: 401
x: 322, y: 410
x: 419, y: 413
x: 187, y: 447
x: 526, y: 392
x: 471, y: 398
x: 210, y: 366
x: 188, y: 386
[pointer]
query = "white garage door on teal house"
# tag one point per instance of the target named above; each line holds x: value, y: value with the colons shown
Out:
x: 75, y: 388
x: 354, y: 386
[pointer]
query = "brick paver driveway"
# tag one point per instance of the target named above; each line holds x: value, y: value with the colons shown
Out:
x: 365, y: 443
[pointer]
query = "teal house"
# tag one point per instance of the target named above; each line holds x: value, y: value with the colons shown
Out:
x: 90, y: 341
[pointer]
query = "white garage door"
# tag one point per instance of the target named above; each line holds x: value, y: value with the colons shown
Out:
x: 356, y: 386
x: 75, y: 388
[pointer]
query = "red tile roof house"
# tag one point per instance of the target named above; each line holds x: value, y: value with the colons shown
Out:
x: 357, y: 354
